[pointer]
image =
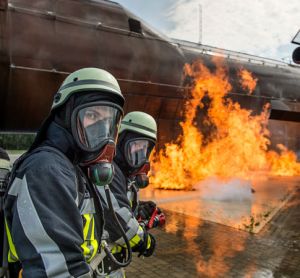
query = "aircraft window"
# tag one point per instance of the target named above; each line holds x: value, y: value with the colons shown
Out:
x: 135, y: 25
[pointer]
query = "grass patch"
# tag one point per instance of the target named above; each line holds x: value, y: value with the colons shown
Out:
x: 16, y: 141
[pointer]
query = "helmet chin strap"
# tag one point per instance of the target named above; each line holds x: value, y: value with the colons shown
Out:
x: 140, y: 176
x: 100, y: 170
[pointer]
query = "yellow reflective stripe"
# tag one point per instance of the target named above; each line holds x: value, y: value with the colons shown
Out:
x: 92, y: 233
x: 11, y: 258
x: 148, y: 242
x: 137, y: 238
x: 140, y: 230
x: 84, y: 246
x: 116, y: 249
x: 86, y: 250
x: 87, y: 225
x: 12, y: 253
x: 93, y: 242
x: 134, y: 241
x: 90, y: 244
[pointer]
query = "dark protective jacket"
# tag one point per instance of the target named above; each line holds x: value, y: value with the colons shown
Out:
x: 49, y: 210
x: 121, y: 204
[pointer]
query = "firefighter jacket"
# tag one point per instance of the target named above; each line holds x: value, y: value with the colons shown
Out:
x: 50, y: 214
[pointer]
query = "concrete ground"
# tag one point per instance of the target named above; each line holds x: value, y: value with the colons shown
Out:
x: 191, y: 247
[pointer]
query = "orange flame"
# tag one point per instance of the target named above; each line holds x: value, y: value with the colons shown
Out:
x: 285, y: 163
x: 247, y: 81
x: 238, y: 143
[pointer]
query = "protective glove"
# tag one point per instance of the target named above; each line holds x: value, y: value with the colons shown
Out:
x: 146, y: 210
x: 150, y: 250
x: 147, y: 246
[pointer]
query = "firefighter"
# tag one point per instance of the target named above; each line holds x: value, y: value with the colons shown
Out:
x: 4, y: 171
x: 53, y: 212
x: 137, y: 138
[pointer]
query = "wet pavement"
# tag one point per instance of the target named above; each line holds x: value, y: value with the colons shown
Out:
x: 239, y: 203
x: 191, y: 247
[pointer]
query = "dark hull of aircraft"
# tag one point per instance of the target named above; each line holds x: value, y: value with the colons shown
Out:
x: 42, y: 41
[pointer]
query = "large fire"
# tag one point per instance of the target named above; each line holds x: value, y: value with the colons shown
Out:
x: 247, y: 81
x: 238, y: 142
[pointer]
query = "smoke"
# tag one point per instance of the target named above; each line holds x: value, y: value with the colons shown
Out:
x: 230, y: 190
x: 256, y: 27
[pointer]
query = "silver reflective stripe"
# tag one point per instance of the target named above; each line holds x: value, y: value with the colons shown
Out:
x: 125, y: 214
x: 140, y: 233
x: 130, y: 196
x: 113, y: 198
x: 54, y: 260
x: 15, y: 187
x: 88, y: 206
x: 132, y: 224
x: 77, y: 194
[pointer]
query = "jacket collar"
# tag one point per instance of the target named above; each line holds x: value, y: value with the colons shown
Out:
x: 60, y: 138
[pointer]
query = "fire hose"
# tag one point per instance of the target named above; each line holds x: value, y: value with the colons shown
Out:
x: 157, y: 219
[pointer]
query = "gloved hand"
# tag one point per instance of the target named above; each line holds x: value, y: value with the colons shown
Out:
x: 146, y: 210
x: 152, y: 244
x: 147, y: 246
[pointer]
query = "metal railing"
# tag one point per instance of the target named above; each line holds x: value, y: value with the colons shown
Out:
x: 229, y: 54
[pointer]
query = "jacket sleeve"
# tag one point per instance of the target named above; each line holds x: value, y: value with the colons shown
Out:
x: 122, y: 208
x: 46, y: 225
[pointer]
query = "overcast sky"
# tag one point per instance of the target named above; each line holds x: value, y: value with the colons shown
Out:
x: 260, y: 27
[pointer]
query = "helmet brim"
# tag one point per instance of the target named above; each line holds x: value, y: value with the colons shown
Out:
x: 66, y: 93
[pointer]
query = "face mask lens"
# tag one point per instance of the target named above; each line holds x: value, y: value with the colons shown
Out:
x: 95, y: 124
x: 138, y: 151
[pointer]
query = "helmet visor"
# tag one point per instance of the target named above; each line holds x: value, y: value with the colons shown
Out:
x: 96, y: 124
x: 138, y: 151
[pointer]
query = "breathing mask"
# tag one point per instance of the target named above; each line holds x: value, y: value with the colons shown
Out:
x: 95, y: 129
x: 137, y: 152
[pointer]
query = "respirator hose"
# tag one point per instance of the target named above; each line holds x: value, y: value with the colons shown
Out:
x: 106, y: 249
